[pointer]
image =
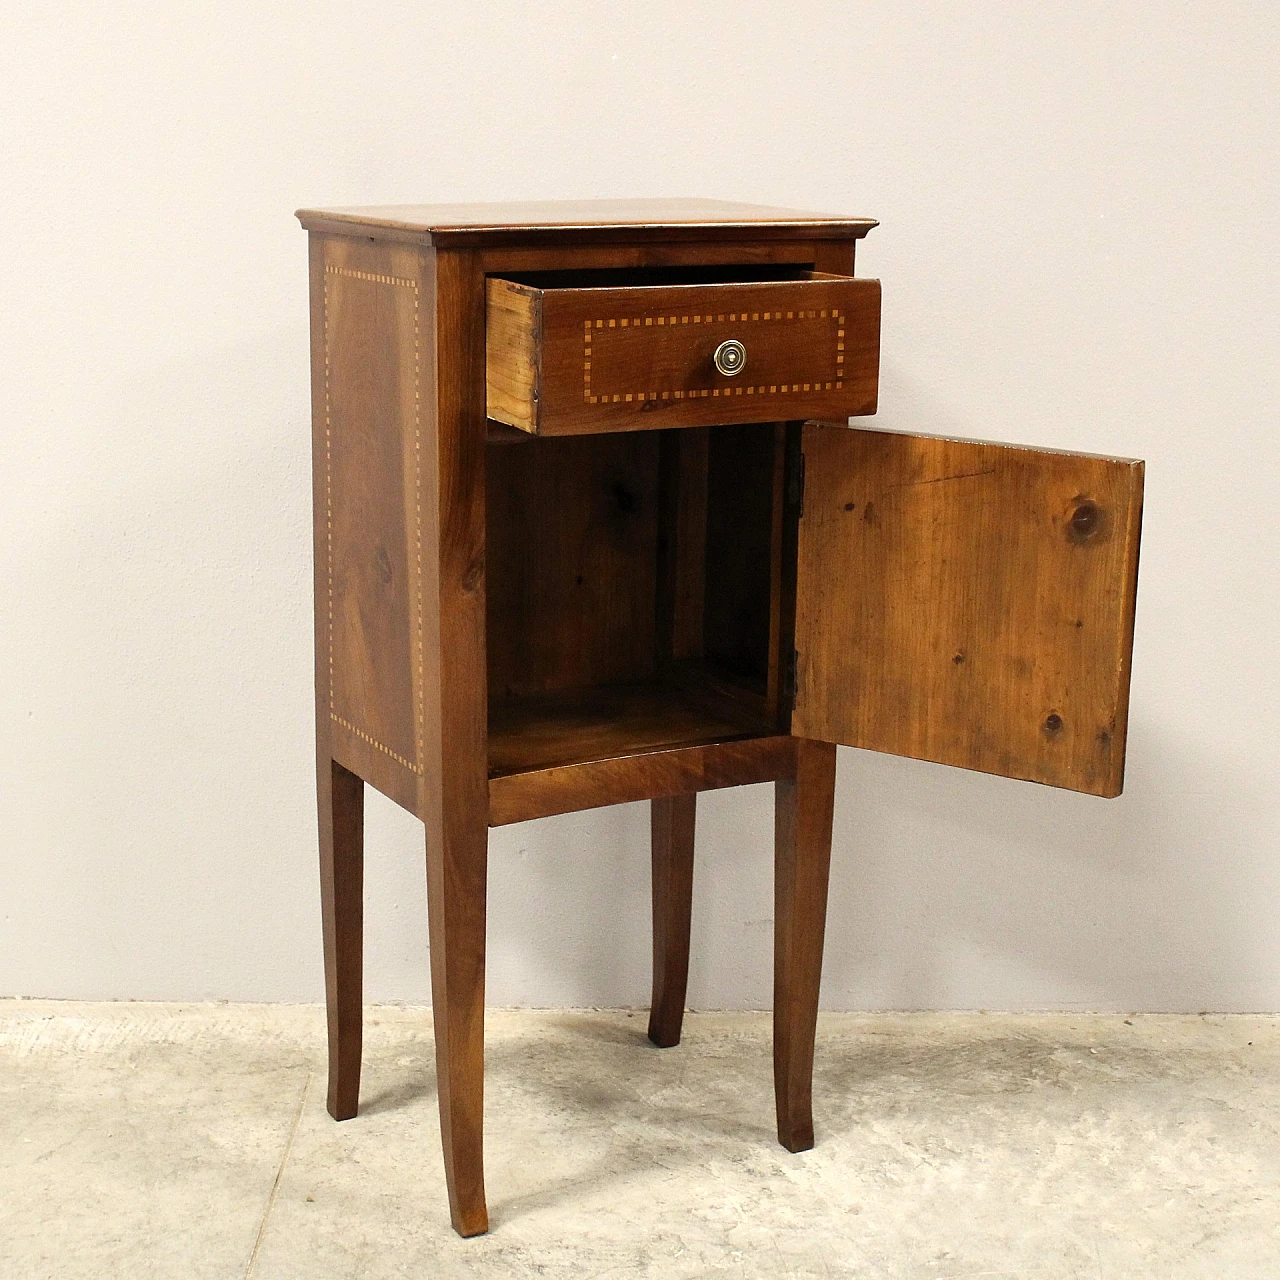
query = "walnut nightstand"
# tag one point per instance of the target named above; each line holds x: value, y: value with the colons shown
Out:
x: 591, y: 527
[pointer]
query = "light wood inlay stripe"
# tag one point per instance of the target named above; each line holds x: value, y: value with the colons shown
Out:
x: 636, y: 322
x: 404, y: 283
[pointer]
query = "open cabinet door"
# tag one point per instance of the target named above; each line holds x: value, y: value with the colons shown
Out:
x: 967, y: 603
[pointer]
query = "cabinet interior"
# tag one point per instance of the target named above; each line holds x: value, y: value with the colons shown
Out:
x: 640, y: 591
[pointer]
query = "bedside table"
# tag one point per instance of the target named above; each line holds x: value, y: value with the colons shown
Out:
x: 591, y: 527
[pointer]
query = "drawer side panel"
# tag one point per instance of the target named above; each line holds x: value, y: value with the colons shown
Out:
x: 512, y: 331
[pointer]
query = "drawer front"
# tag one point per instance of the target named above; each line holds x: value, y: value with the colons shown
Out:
x: 571, y: 361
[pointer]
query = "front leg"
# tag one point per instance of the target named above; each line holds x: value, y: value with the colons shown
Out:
x: 455, y: 788
x: 457, y: 857
x: 802, y: 853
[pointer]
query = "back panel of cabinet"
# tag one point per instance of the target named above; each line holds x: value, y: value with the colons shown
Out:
x: 572, y: 531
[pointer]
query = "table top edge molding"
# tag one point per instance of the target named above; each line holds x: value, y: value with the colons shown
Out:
x: 603, y: 221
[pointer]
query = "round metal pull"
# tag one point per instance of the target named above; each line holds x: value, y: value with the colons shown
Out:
x: 730, y: 357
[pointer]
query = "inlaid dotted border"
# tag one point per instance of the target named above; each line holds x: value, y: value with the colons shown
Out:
x: 403, y: 282
x: 734, y: 317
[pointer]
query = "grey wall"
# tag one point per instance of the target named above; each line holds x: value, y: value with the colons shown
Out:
x: 1079, y: 209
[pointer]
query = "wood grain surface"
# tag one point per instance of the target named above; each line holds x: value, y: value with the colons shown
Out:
x: 449, y: 569
x: 455, y: 797
x: 670, y: 769
x: 585, y: 222
x: 514, y: 318
x: 672, y: 823
x: 367, y: 343
x: 803, y: 811
x: 602, y: 722
x: 571, y: 560
x: 968, y: 603
x: 636, y: 357
x: 341, y: 812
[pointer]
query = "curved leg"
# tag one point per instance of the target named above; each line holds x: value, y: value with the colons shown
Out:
x: 672, y: 822
x: 457, y: 857
x: 341, y: 797
x: 451, y: 657
x: 802, y: 852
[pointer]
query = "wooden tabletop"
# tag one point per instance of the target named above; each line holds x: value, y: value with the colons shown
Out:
x: 548, y: 221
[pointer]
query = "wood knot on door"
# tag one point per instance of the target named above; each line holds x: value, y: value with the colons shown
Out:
x: 1086, y: 521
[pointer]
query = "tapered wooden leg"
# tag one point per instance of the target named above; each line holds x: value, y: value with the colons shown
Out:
x: 672, y: 820
x: 802, y: 854
x: 341, y: 796
x: 455, y: 779
x: 456, y: 886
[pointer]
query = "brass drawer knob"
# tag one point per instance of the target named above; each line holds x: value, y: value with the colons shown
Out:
x: 730, y: 357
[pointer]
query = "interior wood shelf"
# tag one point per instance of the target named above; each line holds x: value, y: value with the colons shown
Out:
x: 578, y: 726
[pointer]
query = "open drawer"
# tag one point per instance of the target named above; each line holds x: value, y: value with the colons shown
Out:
x: 575, y: 352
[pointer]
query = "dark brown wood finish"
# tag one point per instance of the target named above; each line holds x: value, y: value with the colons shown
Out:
x: 802, y: 842
x: 672, y: 823
x: 571, y: 563
x: 455, y: 791
x: 363, y: 335
x: 341, y: 797
x: 585, y: 222
x: 572, y: 356
x: 673, y: 769
x: 740, y: 540
x: 504, y: 633
x: 509, y: 261
x: 399, y: 453
x: 787, y: 500
x: 367, y: 339
x: 682, y: 546
x: 602, y: 722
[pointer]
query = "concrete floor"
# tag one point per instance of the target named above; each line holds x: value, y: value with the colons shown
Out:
x: 192, y: 1141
